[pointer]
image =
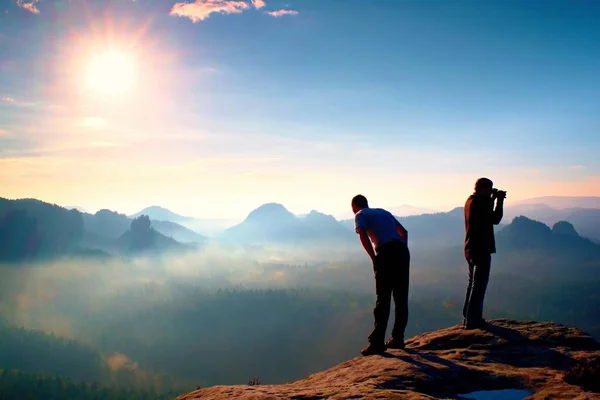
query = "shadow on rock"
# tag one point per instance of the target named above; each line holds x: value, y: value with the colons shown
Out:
x: 522, y: 351
x: 443, y: 377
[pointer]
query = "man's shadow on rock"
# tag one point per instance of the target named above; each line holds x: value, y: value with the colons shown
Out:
x: 456, y: 378
x: 410, y: 358
x: 522, y: 351
x: 515, y: 349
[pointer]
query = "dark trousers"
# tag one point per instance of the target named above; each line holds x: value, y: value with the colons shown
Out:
x: 391, y: 278
x: 479, y: 275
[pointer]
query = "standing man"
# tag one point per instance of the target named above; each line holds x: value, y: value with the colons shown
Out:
x: 480, y: 244
x: 386, y: 242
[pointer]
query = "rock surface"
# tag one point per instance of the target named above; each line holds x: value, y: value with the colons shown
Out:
x: 507, y: 354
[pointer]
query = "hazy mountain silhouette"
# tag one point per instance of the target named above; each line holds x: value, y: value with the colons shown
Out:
x: 178, y: 232
x: 585, y: 220
x: 327, y: 226
x: 106, y: 224
x: 141, y: 237
x: 537, y: 211
x: 399, y: 211
x: 438, y: 229
x: 408, y: 210
x: 31, y: 229
x: 110, y: 225
x: 34, y: 230
x: 161, y: 214
x: 565, y: 201
x: 531, y: 248
x: 80, y: 209
x: 273, y: 223
x: 202, y: 226
x: 526, y: 234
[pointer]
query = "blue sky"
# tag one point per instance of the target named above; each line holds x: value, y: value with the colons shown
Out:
x: 407, y: 102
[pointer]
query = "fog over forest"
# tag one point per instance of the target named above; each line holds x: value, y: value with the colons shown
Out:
x: 225, y: 314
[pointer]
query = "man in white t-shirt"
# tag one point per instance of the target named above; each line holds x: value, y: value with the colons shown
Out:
x: 386, y: 241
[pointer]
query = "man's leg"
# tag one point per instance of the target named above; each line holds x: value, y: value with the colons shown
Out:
x: 381, y: 312
x: 481, y: 275
x: 469, y: 287
x: 401, y: 287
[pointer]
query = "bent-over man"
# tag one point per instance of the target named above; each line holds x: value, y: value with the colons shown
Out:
x: 386, y: 242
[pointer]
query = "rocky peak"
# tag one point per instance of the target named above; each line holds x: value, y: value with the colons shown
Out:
x: 270, y: 212
x: 530, y: 357
x: 564, y: 228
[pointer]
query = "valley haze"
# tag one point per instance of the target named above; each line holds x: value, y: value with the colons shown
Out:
x: 176, y: 179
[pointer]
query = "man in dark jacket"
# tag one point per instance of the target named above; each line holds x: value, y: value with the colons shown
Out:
x: 480, y: 244
x: 386, y: 242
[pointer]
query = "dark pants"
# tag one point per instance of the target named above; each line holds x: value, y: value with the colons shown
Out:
x: 391, y: 278
x: 479, y: 274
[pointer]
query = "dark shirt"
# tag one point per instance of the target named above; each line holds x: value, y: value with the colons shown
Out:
x: 480, y: 218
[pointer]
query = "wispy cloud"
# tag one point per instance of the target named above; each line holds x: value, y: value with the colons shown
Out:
x: 15, y: 102
x: 258, y: 3
x: 281, y: 13
x: 200, y: 10
x: 29, y: 5
x: 3, y: 132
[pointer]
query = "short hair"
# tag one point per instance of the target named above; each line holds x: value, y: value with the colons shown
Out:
x: 360, y: 201
x: 482, y: 183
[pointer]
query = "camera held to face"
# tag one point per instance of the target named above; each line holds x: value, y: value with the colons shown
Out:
x: 498, y: 194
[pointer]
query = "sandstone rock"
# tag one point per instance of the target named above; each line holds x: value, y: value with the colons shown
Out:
x: 507, y: 354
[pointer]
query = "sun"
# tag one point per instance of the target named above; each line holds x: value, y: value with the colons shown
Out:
x: 110, y: 72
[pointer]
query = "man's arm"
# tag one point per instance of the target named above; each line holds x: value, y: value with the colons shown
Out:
x: 360, y: 226
x: 498, y: 211
x: 364, y: 240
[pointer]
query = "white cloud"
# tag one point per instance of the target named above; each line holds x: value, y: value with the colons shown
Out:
x: 281, y: 13
x: 9, y: 99
x: 258, y: 3
x: 29, y: 5
x: 200, y: 10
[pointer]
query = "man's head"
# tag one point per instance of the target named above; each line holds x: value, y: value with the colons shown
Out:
x: 359, y: 202
x: 483, y: 187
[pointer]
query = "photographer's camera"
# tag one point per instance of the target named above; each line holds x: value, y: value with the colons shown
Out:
x: 497, y: 193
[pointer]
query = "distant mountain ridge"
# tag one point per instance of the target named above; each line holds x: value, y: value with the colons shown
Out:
x: 585, y: 220
x: 273, y: 223
x: 560, y: 202
x: 399, y: 211
x: 201, y: 226
x: 161, y: 214
x: 111, y: 225
x: 33, y: 230
x: 528, y: 234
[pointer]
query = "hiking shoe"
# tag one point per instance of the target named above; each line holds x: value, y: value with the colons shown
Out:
x: 394, y: 344
x: 475, y: 325
x: 373, y: 349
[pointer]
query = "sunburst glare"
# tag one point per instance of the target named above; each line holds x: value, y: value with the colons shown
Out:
x: 110, y: 72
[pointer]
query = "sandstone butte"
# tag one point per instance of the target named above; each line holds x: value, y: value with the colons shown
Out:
x: 507, y: 354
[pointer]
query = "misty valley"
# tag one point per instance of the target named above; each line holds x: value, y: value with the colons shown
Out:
x: 149, y: 306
